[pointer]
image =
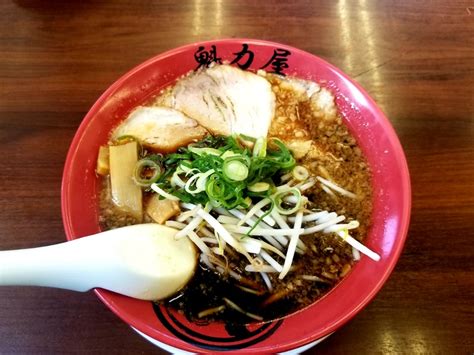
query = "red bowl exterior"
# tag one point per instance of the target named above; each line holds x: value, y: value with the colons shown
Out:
x: 375, y: 135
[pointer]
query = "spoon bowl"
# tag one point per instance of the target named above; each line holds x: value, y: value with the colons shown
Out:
x: 143, y: 261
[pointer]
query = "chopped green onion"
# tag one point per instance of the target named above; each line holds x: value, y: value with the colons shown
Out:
x: 235, y: 169
x: 282, y: 154
x: 228, y: 154
x: 176, y: 179
x: 146, y: 172
x: 260, y: 148
x: 300, y: 173
x: 199, y: 181
x: 202, y: 151
x: 247, y: 202
x: 278, y: 199
x: 185, y: 167
x: 239, y: 172
x: 259, y: 187
x: 222, y: 193
x: 246, y: 138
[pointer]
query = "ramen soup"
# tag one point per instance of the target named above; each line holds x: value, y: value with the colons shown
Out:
x: 260, y: 173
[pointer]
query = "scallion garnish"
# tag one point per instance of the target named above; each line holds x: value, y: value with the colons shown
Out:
x: 146, y: 172
x: 225, y: 171
x: 235, y: 168
x: 284, y: 208
x: 259, y: 187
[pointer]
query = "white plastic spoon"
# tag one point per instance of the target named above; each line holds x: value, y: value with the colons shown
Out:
x: 143, y: 261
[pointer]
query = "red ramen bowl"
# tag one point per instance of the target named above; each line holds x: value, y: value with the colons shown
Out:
x: 375, y: 135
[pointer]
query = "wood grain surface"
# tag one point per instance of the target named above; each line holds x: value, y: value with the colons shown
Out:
x: 415, y: 58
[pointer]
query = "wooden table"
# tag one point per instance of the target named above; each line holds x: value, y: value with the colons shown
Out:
x: 415, y: 58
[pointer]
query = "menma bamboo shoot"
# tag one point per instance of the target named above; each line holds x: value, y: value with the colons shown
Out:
x: 126, y: 194
x: 103, y: 166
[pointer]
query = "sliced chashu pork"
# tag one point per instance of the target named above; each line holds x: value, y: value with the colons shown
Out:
x: 160, y: 128
x: 321, y: 99
x: 323, y: 105
x: 226, y: 100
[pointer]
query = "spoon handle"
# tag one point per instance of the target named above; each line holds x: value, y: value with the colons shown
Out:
x: 143, y: 261
x: 67, y: 265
